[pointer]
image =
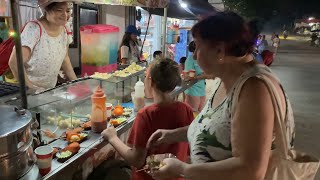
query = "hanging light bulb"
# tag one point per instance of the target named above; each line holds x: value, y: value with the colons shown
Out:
x: 183, y: 5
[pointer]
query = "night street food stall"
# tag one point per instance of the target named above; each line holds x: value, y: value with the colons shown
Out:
x: 60, y: 118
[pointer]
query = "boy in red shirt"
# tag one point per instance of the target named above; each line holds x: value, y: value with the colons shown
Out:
x: 165, y: 113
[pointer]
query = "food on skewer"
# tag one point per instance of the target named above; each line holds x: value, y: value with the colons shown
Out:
x: 73, y: 147
x: 73, y: 138
x: 118, y: 121
x: 75, y: 130
x: 86, y: 125
x: 76, y: 137
x: 68, y: 152
x: 48, y: 133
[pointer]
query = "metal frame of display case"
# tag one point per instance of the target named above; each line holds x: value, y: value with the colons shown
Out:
x: 122, y: 81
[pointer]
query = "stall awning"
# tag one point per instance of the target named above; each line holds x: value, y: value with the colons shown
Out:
x: 194, y: 9
x: 142, y: 3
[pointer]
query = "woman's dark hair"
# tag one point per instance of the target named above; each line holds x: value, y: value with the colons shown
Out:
x: 192, y: 46
x: 165, y: 75
x: 126, y: 40
x: 53, y: 5
x: 229, y: 28
x: 182, y: 60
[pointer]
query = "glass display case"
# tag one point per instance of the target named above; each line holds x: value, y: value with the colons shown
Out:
x: 123, y: 86
x: 68, y: 106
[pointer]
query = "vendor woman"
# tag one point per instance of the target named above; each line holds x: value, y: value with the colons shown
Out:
x: 45, y: 47
x: 129, y: 48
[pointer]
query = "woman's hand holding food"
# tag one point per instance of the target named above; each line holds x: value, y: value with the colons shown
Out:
x: 173, y: 168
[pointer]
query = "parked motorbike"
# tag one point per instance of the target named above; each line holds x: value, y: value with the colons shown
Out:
x: 285, y: 34
x: 315, y: 40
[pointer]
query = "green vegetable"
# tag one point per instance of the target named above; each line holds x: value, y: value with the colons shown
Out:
x: 83, y: 135
x: 64, y: 154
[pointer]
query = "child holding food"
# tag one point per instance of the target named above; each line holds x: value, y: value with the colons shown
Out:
x: 165, y: 113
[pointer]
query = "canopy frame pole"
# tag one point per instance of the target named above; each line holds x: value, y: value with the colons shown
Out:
x: 18, y: 48
x: 164, y: 30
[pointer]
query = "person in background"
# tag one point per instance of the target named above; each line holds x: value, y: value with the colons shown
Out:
x: 273, y: 36
x: 234, y: 137
x: 276, y: 43
x: 259, y: 39
x: 165, y: 113
x: 264, y: 41
x: 195, y: 95
x: 129, y: 48
x: 157, y: 55
x: 181, y: 69
x: 44, y: 54
x: 263, y: 44
x: 182, y: 62
x: 3, y: 31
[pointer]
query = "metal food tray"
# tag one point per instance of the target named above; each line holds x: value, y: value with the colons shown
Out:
x: 118, y: 79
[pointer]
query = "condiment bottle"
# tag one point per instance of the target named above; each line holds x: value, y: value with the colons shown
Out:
x: 139, y: 95
x: 98, y: 114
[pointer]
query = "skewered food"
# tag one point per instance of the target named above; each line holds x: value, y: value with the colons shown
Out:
x: 48, y: 133
x: 118, y: 121
x: 76, y: 137
x: 73, y: 147
x: 86, y: 125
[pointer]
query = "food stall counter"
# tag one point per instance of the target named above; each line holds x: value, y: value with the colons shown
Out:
x: 94, y: 150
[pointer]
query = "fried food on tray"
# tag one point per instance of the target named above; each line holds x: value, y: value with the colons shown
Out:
x: 73, y: 147
x: 74, y: 130
x: 76, y: 137
x: 86, y: 125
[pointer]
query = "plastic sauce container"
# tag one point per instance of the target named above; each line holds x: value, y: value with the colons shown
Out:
x: 98, y: 113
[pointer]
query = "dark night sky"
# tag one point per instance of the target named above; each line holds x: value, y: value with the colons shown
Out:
x: 300, y: 7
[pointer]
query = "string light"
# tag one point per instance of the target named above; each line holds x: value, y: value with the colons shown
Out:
x: 12, y: 33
